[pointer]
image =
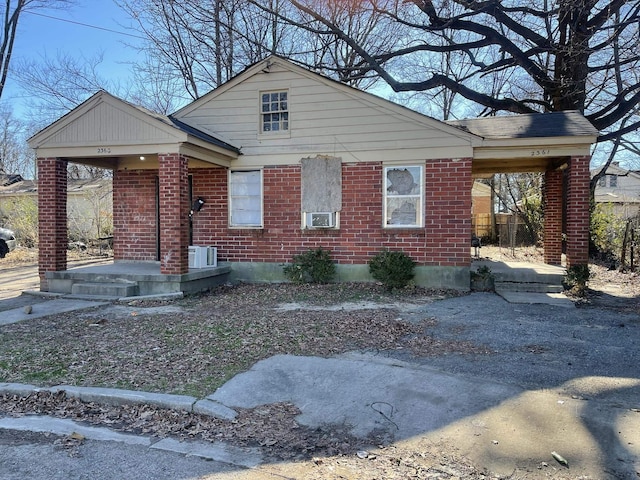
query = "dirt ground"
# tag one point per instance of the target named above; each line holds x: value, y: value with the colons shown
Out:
x: 301, y: 453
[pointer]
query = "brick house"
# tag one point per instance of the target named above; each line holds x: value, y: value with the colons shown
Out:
x: 285, y: 160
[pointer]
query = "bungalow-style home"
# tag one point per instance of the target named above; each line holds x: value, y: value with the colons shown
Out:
x: 619, y: 188
x: 279, y: 160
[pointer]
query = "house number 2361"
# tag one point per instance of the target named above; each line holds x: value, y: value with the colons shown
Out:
x: 104, y: 150
x: 539, y: 153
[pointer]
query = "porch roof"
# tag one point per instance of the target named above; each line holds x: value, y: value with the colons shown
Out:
x: 532, y: 142
x: 108, y: 132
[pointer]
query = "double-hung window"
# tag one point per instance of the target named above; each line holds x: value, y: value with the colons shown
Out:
x: 403, y: 196
x: 274, y: 112
x: 245, y: 198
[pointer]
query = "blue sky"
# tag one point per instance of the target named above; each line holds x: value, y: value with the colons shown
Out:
x: 47, y: 32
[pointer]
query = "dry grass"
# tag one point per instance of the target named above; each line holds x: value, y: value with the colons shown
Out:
x: 194, y: 345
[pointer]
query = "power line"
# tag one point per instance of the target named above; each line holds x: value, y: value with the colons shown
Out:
x: 86, y: 25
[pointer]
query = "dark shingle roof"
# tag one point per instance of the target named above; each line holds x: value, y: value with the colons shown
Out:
x: 554, y: 124
x: 201, y: 135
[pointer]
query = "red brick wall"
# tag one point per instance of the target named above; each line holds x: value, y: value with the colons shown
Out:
x: 174, y: 214
x: 52, y: 217
x: 553, y: 180
x: 448, y: 211
x: 444, y: 241
x: 578, y: 212
x: 134, y: 215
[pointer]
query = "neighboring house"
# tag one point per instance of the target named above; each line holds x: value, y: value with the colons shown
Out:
x: 620, y: 188
x: 89, y: 204
x: 279, y: 160
x: 481, y: 209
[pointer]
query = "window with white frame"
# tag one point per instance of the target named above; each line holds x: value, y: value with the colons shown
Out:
x: 245, y: 198
x: 403, y: 196
x: 274, y: 111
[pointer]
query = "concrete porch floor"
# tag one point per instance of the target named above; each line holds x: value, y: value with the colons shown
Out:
x: 124, y: 279
x: 526, y: 282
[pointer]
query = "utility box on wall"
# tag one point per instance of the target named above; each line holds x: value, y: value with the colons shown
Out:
x: 203, y: 257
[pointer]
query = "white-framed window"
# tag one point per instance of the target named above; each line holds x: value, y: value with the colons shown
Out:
x: 403, y: 196
x: 274, y: 111
x: 613, y: 181
x: 320, y: 219
x: 245, y: 198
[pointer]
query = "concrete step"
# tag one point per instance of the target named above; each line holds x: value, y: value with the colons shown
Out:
x: 105, y: 289
x: 533, y: 287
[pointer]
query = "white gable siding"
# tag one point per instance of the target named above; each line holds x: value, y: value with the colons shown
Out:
x: 106, y: 124
x: 323, y: 119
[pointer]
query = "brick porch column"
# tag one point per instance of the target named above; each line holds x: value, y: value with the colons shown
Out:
x: 52, y: 217
x: 553, y: 217
x: 174, y: 214
x: 578, y: 212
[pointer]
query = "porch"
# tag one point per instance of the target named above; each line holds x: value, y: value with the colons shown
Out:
x: 521, y: 281
x: 131, y: 279
x: 516, y: 281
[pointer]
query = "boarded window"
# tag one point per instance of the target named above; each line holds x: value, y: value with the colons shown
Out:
x: 321, y: 190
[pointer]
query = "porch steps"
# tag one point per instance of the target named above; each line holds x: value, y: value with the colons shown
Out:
x: 532, y: 287
x: 105, y: 289
x: 521, y: 277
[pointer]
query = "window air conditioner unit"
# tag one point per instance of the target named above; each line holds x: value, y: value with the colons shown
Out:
x: 202, y: 257
x: 321, y: 220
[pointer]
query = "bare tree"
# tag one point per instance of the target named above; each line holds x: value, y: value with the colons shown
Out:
x: 11, y: 13
x: 57, y: 85
x: 559, y: 55
x: 15, y: 156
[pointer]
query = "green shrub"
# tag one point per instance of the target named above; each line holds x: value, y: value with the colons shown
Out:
x: 576, y: 278
x: 314, y: 266
x: 393, y: 269
x: 20, y: 214
x: 607, y: 231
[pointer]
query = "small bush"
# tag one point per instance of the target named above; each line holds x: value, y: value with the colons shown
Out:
x: 576, y: 279
x: 393, y: 269
x: 314, y: 266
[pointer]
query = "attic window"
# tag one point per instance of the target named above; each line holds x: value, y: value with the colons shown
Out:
x: 274, y: 111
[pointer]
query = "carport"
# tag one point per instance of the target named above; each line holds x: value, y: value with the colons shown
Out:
x: 557, y: 144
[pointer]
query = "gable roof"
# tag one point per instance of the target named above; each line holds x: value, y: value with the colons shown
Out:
x: 265, y: 65
x: 109, y: 125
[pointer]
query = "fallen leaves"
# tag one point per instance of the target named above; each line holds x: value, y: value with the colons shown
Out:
x: 192, y: 346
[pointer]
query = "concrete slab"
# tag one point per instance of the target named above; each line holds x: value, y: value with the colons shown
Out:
x: 501, y: 427
x: 214, y: 409
x: 366, y: 393
x: 220, y: 452
x: 114, y: 396
x: 61, y: 426
x: 555, y: 299
x: 43, y: 309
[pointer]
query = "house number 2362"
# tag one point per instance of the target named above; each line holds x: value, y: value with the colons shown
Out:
x: 104, y: 150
